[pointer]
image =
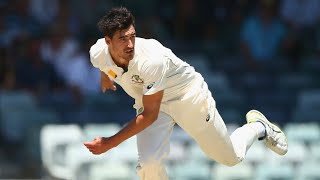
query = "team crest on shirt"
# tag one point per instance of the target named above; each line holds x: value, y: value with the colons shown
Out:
x: 136, y: 79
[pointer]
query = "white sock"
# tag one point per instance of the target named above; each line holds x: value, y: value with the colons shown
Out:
x: 259, y: 128
x: 242, y: 139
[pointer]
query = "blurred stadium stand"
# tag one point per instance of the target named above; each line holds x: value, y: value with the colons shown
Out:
x: 45, y: 116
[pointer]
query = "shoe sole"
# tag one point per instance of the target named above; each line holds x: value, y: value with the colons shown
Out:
x: 267, y: 121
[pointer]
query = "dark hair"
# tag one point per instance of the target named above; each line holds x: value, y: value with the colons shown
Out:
x: 116, y: 19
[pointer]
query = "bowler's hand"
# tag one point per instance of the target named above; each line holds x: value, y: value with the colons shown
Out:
x: 106, y: 83
x: 100, y: 145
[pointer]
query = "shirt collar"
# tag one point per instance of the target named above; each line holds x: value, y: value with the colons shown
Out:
x: 117, y: 71
x: 113, y: 70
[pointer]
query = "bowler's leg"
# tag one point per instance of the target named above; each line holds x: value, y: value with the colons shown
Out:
x: 196, y: 113
x: 153, y: 148
x: 215, y: 141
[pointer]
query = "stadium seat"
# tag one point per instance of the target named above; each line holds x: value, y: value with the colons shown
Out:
x: 198, y: 61
x: 305, y: 116
x: 309, y: 170
x: 10, y: 169
x: 310, y: 65
x: 196, y: 154
x: 17, y: 100
x: 297, y: 153
x: 242, y: 171
x: 92, y: 130
x: 53, y: 142
x: 314, y: 151
x: 16, y: 108
x: 303, y: 132
x: 277, y: 65
x: 295, y: 82
x: 217, y: 82
x: 309, y: 100
x: 104, y: 108
x: 232, y: 65
x: 230, y: 99
x: 256, y: 154
x: 22, y: 120
x: 177, y: 152
x: 78, y: 160
x: 232, y: 116
x: 35, y: 121
x: 273, y: 98
x: 231, y: 127
x: 190, y: 170
x: 267, y: 171
x: 100, y: 102
x: 254, y: 81
x: 64, y: 103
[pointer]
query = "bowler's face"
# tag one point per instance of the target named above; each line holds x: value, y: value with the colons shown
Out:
x: 121, y: 46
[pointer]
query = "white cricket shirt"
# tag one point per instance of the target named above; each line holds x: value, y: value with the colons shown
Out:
x: 152, y: 69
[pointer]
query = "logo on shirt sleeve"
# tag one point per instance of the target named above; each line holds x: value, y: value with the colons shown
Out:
x: 113, y: 74
x: 150, y: 85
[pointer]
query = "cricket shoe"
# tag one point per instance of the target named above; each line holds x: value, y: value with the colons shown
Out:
x: 274, y: 138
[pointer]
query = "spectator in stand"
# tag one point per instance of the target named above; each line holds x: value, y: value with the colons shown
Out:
x: 300, y: 14
x: 79, y: 75
x: 31, y: 72
x: 67, y: 16
x: 63, y: 51
x: 187, y: 23
x: 2, y: 63
x: 19, y: 20
x: 6, y: 33
x: 301, y: 17
x: 58, y: 47
x: 89, y: 11
x: 262, y: 35
x: 14, y: 20
x: 44, y: 11
x: 3, y: 67
x: 153, y: 27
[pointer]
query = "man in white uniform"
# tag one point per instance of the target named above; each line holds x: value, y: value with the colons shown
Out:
x: 167, y: 91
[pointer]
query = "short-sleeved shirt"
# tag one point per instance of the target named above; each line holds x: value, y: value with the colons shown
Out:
x: 152, y: 69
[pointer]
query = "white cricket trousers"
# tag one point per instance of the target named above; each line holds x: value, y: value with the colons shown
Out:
x: 195, y: 112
